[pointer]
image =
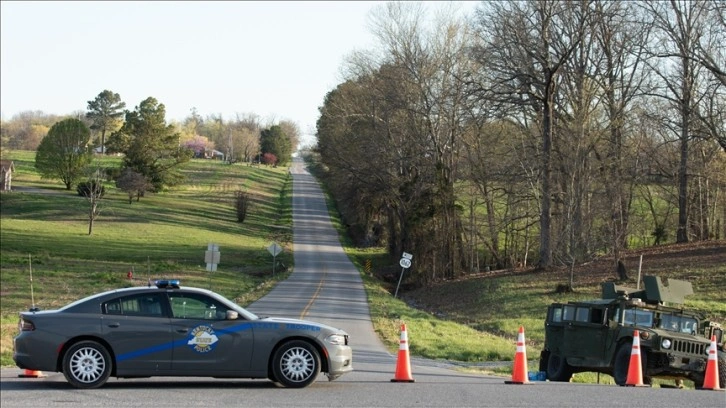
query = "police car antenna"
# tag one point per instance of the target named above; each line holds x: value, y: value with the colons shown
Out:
x: 148, y: 270
x: 32, y: 295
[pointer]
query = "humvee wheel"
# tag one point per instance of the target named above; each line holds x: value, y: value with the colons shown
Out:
x: 558, y: 369
x: 622, y: 361
x: 721, y: 375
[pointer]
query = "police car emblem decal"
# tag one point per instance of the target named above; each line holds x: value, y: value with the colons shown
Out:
x: 203, y: 339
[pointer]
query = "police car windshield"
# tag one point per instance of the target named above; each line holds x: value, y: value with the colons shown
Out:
x: 244, y: 313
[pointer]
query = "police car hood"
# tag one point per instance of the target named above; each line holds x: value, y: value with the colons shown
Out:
x: 302, y: 324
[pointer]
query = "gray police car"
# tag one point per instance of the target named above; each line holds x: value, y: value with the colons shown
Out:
x: 168, y: 330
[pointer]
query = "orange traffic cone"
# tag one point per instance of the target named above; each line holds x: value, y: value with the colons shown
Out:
x: 403, y: 365
x: 519, y: 370
x: 635, y: 369
x: 31, y: 374
x: 711, y: 380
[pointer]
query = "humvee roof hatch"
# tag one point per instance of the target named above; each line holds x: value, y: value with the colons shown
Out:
x: 656, y: 291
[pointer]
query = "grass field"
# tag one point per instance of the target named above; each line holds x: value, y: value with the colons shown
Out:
x: 44, y: 230
x: 472, y: 320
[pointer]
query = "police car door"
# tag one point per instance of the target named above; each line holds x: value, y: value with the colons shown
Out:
x: 137, y: 328
x: 205, y: 342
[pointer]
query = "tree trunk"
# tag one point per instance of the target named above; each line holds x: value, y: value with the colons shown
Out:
x: 91, y: 217
x: 546, y: 212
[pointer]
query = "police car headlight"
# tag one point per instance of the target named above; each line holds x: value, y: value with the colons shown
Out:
x: 336, y: 339
x: 665, y: 343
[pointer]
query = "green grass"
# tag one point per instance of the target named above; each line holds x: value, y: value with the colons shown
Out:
x: 163, y: 235
x: 477, y: 320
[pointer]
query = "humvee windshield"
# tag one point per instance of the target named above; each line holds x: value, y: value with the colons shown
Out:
x: 635, y: 317
x: 681, y: 324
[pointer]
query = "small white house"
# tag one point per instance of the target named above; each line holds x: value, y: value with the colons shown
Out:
x: 6, y: 174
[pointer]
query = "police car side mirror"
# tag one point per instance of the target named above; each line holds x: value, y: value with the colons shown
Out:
x: 232, y: 315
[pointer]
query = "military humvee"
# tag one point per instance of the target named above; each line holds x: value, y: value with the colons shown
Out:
x: 597, y: 335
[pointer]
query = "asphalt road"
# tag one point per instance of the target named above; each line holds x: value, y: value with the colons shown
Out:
x: 326, y: 287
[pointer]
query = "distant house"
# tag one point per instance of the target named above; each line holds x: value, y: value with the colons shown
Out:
x: 213, y: 154
x: 6, y: 174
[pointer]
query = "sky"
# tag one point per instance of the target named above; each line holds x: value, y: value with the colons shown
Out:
x: 274, y: 59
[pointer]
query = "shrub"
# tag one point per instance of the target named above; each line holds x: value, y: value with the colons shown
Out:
x: 242, y: 203
x: 85, y: 188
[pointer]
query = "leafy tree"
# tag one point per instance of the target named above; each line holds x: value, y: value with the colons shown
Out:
x: 199, y: 145
x: 274, y: 140
x: 269, y: 158
x: 25, y: 130
x: 105, y: 111
x: 150, y: 145
x: 64, y: 152
x: 292, y: 131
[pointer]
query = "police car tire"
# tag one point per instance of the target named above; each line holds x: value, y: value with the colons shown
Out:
x: 558, y: 369
x: 91, y: 355
x: 296, y: 364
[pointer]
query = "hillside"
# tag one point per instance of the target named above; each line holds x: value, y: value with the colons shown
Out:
x: 670, y: 259
x: 489, y: 301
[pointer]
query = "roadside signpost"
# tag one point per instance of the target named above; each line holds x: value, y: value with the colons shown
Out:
x: 405, y: 263
x: 211, y: 257
x: 274, y: 250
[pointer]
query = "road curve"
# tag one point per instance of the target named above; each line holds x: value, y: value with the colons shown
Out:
x: 324, y: 286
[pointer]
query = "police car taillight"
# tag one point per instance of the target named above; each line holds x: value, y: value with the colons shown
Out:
x: 166, y: 284
x: 25, y: 325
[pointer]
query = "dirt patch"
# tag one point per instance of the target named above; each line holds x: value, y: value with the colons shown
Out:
x: 666, y: 260
x: 662, y: 258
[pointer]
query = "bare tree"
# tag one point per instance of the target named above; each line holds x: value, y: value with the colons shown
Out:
x: 522, y: 49
x: 133, y: 183
x: 621, y: 79
x: 679, y: 27
x: 94, y: 193
x: 710, y: 51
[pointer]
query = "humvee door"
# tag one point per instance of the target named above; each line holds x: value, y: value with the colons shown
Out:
x: 585, y: 334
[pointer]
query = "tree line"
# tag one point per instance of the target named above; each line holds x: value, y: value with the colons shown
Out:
x: 152, y: 148
x: 531, y: 132
x: 153, y: 151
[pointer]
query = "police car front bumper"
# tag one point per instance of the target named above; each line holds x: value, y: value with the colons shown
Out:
x: 340, y: 361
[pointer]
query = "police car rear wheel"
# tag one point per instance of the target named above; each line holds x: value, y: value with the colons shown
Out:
x: 296, y: 364
x: 87, y: 364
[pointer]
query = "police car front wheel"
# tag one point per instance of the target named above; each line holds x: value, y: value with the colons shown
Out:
x: 296, y: 364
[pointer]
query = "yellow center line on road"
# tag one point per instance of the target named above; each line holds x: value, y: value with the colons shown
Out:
x: 315, y: 295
